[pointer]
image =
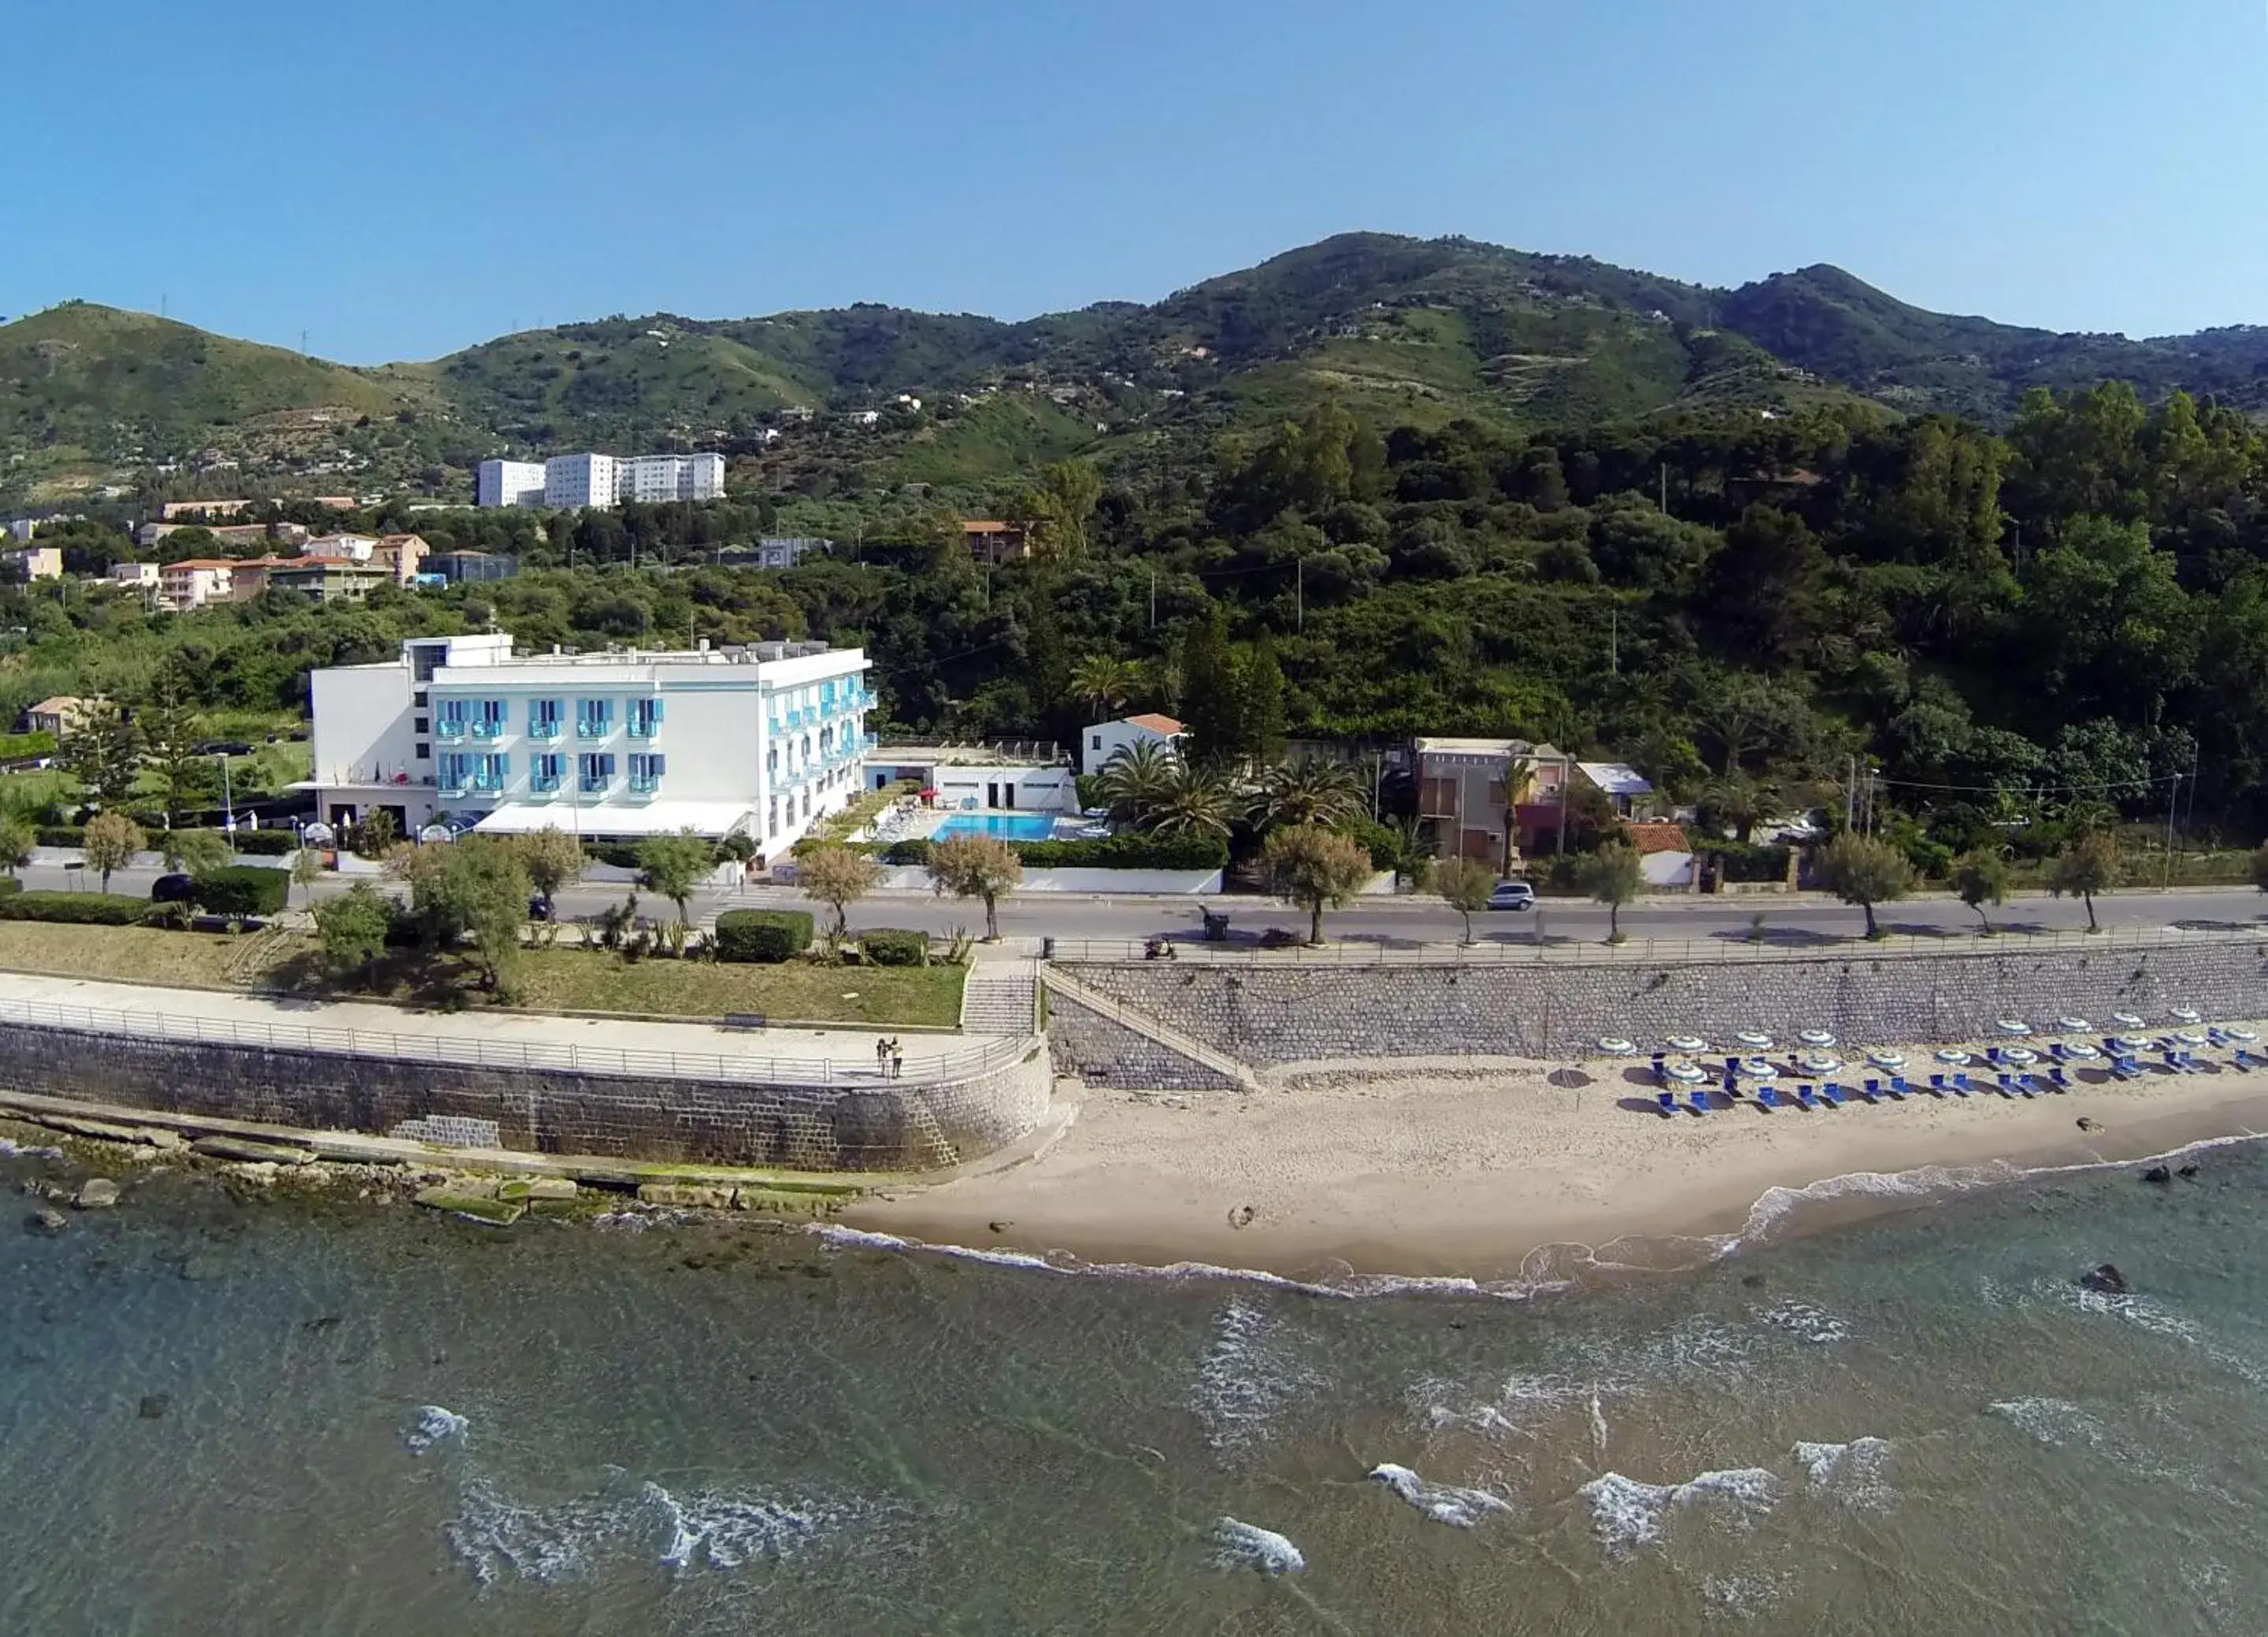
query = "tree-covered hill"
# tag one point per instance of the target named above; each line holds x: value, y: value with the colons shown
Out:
x: 1401, y: 331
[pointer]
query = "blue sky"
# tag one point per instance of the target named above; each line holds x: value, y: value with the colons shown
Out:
x: 400, y: 180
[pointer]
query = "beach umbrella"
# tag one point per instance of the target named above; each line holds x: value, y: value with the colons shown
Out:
x: 2131, y: 1042
x: 2243, y: 1035
x: 1891, y: 1061
x: 1754, y: 1040
x: 1955, y: 1057
x: 2127, y: 1020
x: 1687, y: 1074
x: 1688, y: 1043
x: 2192, y: 1037
x: 1818, y: 1063
x: 2014, y: 1026
x: 2073, y: 1025
x: 2020, y: 1055
x: 2079, y: 1050
x: 1614, y: 1045
x: 1757, y: 1068
x: 2185, y: 1015
x: 1817, y: 1037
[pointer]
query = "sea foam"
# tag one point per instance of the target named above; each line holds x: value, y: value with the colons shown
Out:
x: 1855, y: 1473
x: 495, y: 1534
x: 1444, y: 1503
x: 1239, y: 1545
x: 1247, y: 1378
x: 1629, y: 1513
x: 432, y: 1426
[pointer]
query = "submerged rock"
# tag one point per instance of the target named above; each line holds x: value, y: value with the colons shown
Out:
x: 484, y: 1208
x: 685, y: 1195
x: 535, y: 1188
x: 95, y: 1194
x: 2105, y: 1278
x: 2158, y: 1174
x: 47, y: 1219
x: 154, y: 1406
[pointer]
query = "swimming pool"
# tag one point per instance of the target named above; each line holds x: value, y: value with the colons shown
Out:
x: 1006, y: 826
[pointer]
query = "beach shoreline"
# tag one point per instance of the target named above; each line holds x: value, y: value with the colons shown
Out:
x: 1509, y: 1181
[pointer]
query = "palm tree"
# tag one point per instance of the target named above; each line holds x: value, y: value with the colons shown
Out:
x: 1325, y: 794
x: 1104, y: 683
x: 1197, y: 801
x: 1136, y: 779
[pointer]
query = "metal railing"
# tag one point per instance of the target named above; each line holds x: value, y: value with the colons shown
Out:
x: 471, y: 1053
x: 1735, y: 948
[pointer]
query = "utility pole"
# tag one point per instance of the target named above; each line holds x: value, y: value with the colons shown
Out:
x: 1850, y: 791
x: 1153, y: 596
x: 1566, y: 789
x: 2173, y: 803
x: 1614, y: 642
x: 1665, y: 489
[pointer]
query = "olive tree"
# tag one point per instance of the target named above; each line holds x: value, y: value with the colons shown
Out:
x: 110, y: 841
x: 1861, y: 871
x: 351, y: 928
x: 552, y: 858
x: 1464, y: 885
x: 16, y: 840
x: 838, y: 878
x: 1981, y: 876
x: 672, y: 866
x: 2090, y: 864
x: 1613, y: 876
x: 976, y: 866
x: 1317, y: 869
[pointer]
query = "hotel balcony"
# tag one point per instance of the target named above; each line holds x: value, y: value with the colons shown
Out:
x: 644, y: 730
x: 542, y: 786
x: 601, y: 729
x: 488, y: 730
x: 643, y: 785
x: 539, y: 729
x: 451, y: 731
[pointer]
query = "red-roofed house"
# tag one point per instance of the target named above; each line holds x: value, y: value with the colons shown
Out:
x: 1105, y: 739
x: 990, y: 541
x: 1663, y: 852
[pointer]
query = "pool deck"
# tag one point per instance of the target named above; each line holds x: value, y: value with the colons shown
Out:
x: 924, y: 823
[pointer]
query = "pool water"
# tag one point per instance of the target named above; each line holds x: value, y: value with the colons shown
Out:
x: 1006, y: 826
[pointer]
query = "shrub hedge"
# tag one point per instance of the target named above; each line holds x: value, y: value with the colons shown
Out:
x: 1115, y: 852
x: 9, y: 883
x: 895, y: 946
x: 242, y: 889
x: 86, y: 909
x: 763, y: 936
x: 266, y: 843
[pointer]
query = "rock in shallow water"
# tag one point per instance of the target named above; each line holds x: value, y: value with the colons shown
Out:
x: 47, y: 1219
x: 95, y: 1194
x: 2105, y: 1278
x: 246, y: 1148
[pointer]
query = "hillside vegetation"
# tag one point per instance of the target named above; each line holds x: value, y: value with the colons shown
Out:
x: 1400, y: 331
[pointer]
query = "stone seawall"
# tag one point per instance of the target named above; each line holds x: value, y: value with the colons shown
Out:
x: 917, y: 1128
x: 1301, y: 1012
x: 1103, y: 1051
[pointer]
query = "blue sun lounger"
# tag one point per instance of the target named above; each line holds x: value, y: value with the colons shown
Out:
x: 1766, y: 1097
x: 1898, y: 1086
x: 1804, y: 1098
x: 1842, y: 1094
x: 2031, y: 1084
x: 2059, y: 1078
x: 1962, y: 1084
x: 1668, y: 1100
x: 1698, y: 1102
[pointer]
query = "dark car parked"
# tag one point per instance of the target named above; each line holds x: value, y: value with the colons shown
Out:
x: 173, y: 889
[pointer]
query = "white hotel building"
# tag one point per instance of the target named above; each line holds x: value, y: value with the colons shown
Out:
x: 765, y: 739
x: 565, y: 482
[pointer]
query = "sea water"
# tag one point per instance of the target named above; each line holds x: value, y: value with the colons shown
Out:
x: 251, y: 1416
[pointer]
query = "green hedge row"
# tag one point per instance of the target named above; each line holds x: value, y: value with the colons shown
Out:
x: 895, y: 946
x: 264, y: 843
x: 24, y: 746
x: 91, y: 909
x: 9, y: 883
x: 242, y: 889
x: 763, y: 936
x: 1115, y: 852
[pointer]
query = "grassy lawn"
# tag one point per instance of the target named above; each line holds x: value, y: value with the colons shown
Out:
x: 550, y: 980
x: 131, y: 954
x: 579, y: 980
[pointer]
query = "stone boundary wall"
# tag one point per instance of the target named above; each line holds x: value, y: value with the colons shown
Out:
x: 1299, y: 1013
x: 1104, y: 1051
x: 914, y: 1128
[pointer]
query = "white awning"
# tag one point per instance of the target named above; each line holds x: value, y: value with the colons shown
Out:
x: 654, y: 818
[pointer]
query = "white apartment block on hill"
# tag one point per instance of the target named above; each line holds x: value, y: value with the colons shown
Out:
x: 566, y: 481
x: 508, y: 483
x: 766, y: 739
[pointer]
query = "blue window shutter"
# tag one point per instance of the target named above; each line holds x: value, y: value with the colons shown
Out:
x: 657, y: 765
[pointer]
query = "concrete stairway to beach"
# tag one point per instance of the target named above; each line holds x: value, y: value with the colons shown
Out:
x: 1001, y: 997
x: 1153, y: 1029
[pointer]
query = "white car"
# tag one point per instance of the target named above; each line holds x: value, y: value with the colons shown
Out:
x: 1512, y: 895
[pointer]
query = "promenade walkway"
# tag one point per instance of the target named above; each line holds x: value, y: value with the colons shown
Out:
x: 505, y: 1039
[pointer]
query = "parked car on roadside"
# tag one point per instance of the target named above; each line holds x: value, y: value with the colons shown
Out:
x: 173, y: 889
x: 1512, y: 895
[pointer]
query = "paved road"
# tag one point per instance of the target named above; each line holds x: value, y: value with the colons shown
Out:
x: 1413, y: 920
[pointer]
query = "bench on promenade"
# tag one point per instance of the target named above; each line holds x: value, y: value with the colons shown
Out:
x: 744, y: 1020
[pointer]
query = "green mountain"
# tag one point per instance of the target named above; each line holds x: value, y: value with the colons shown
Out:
x: 1405, y: 331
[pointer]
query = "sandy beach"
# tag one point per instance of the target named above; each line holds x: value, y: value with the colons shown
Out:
x: 1495, y: 1173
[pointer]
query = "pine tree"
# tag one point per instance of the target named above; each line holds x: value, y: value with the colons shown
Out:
x: 1261, y: 704
x: 1212, y: 697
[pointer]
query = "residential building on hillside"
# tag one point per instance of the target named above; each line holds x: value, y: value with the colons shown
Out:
x: 193, y: 582
x: 1487, y: 799
x: 1628, y: 791
x: 142, y: 576
x: 598, y: 481
x: 28, y: 563
x: 204, y: 508
x: 1105, y: 739
x: 247, y: 534
x: 991, y: 540
x: 572, y: 481
x: 508, y: 483
x: 766, y: 739
x: 57, y: 715
x: 779, y: 551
